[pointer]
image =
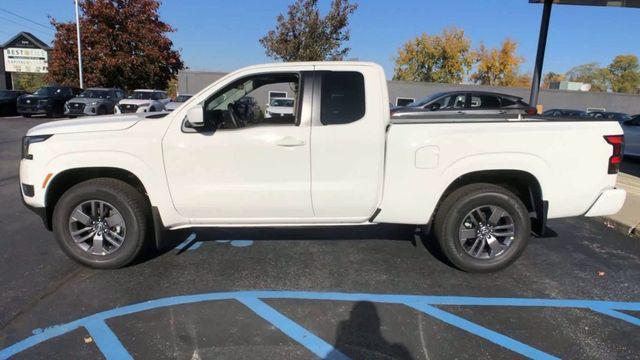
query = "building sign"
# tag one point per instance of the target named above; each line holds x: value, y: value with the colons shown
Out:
x: 27, y: 60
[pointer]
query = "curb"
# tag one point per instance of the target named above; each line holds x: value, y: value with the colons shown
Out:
x: 633, y: 231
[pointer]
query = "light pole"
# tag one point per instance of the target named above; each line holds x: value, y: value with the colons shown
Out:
x: 79, y: 47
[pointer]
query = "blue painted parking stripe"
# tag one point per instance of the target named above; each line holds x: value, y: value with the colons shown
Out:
x: 495, y: 337
x: 618, y: 315
x: 316, y: 345
x: 58, y: 330
x: 189, y: 243
x: 107, y: 341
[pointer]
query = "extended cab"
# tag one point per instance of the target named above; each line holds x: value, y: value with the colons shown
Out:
x: 480, y: 184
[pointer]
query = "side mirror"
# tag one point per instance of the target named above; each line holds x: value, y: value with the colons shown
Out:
x: 195, y: 117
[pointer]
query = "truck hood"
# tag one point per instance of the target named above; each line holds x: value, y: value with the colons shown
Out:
x: 136, y: 101
x: 99, y: 123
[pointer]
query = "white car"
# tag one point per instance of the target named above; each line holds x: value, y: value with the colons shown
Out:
x: 279, y: 107
x: 107, y: 185
x: 143, y: 100
x: 632, y: 136
x: 179, y: 100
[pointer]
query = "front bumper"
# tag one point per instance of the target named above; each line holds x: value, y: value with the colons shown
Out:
x: 80, y: 110
x: 609, y: 202
x: 33, y: 109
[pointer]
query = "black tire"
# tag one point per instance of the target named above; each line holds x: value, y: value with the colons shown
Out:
x: 152, y: 109
x: 459, y: 204
x: 128, y: 201
x: 102, y: 110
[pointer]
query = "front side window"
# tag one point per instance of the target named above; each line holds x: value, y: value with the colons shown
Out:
x: 449, y: 102
x: 342, y: 99
x: 235, y: 106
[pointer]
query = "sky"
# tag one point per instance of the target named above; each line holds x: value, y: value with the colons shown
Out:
x: 223, y: 35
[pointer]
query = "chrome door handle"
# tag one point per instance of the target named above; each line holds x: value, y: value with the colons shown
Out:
x: 290, y: 141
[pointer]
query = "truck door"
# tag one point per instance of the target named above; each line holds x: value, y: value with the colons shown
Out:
x: 347, y: 142
x: 244, y: 167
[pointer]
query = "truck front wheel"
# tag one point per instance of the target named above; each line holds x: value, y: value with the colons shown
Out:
x: 482, y: 227
x: 101, y: 223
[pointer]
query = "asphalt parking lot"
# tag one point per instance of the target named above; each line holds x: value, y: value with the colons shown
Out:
x: 375, y: 292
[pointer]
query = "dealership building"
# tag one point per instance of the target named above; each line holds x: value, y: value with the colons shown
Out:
x: 23, y: 53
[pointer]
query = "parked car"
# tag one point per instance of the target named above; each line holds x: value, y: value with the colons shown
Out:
x: 480, y: 188
x: 48, y: 100
x: 565, y: 113
x: 143, y: 100
x: 94, y: 101
x: 465, y: 102
x: 631, y: 130
x: 619, y: 117
x: 280, y: 107
x: 179, y: 100
x: 8, y: 100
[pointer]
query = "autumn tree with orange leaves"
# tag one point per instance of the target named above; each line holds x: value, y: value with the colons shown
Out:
x: 435, y: 58
x: 498, y: 66
x: 124, y: 44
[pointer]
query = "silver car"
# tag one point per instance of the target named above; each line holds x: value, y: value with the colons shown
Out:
x: 94, y: 101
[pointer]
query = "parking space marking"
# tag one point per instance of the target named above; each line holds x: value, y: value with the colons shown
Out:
x: 292, y: 329
x: 618, y: 315
x: 189, y: 244
x: 419, y: 302
x: 483, y: 332
x: 106, y: 340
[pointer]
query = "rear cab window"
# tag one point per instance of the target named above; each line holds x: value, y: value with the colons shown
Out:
x: 342, y: 99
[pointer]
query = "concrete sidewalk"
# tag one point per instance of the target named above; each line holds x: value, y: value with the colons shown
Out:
x: 628, y: 219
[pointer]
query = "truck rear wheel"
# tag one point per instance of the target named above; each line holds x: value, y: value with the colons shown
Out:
x: 482, y: 227
x: 101, y: 223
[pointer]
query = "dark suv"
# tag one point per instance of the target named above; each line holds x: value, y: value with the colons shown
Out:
x: 48, y: 100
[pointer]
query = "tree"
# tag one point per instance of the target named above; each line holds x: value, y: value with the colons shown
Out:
x: 550, y: 78
x: 590, y: 73
x: 124, y: 44
x: 498, y: 67
x: 442, y: 58
x: 624, y: 74
x: 303, y: 35
x: 29, y: 82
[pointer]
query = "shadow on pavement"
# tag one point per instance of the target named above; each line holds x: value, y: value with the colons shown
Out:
x: 359, y: 337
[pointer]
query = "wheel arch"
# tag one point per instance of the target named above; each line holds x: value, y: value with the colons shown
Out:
x: 523, y: 184
x: 64, y: 180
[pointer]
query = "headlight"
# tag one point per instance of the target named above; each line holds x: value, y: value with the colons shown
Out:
x: 28, y: 140
x: 94, y: 103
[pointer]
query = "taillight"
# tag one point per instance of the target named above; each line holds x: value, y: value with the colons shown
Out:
x: 617, y: 141
x: 531, y: 111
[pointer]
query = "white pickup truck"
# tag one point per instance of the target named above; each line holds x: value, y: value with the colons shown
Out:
x: 480, y: 183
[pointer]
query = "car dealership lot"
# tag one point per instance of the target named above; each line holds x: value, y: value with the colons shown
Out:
x: 225, y: 317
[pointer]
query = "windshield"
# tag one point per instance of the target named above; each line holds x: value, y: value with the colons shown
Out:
x: 230, y: 96
x: 141, y: 95
x: 183, y: 98
x: 94, y: 94
x: 282, y: 102
x: 424, y: 100
x: 45, y: 91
